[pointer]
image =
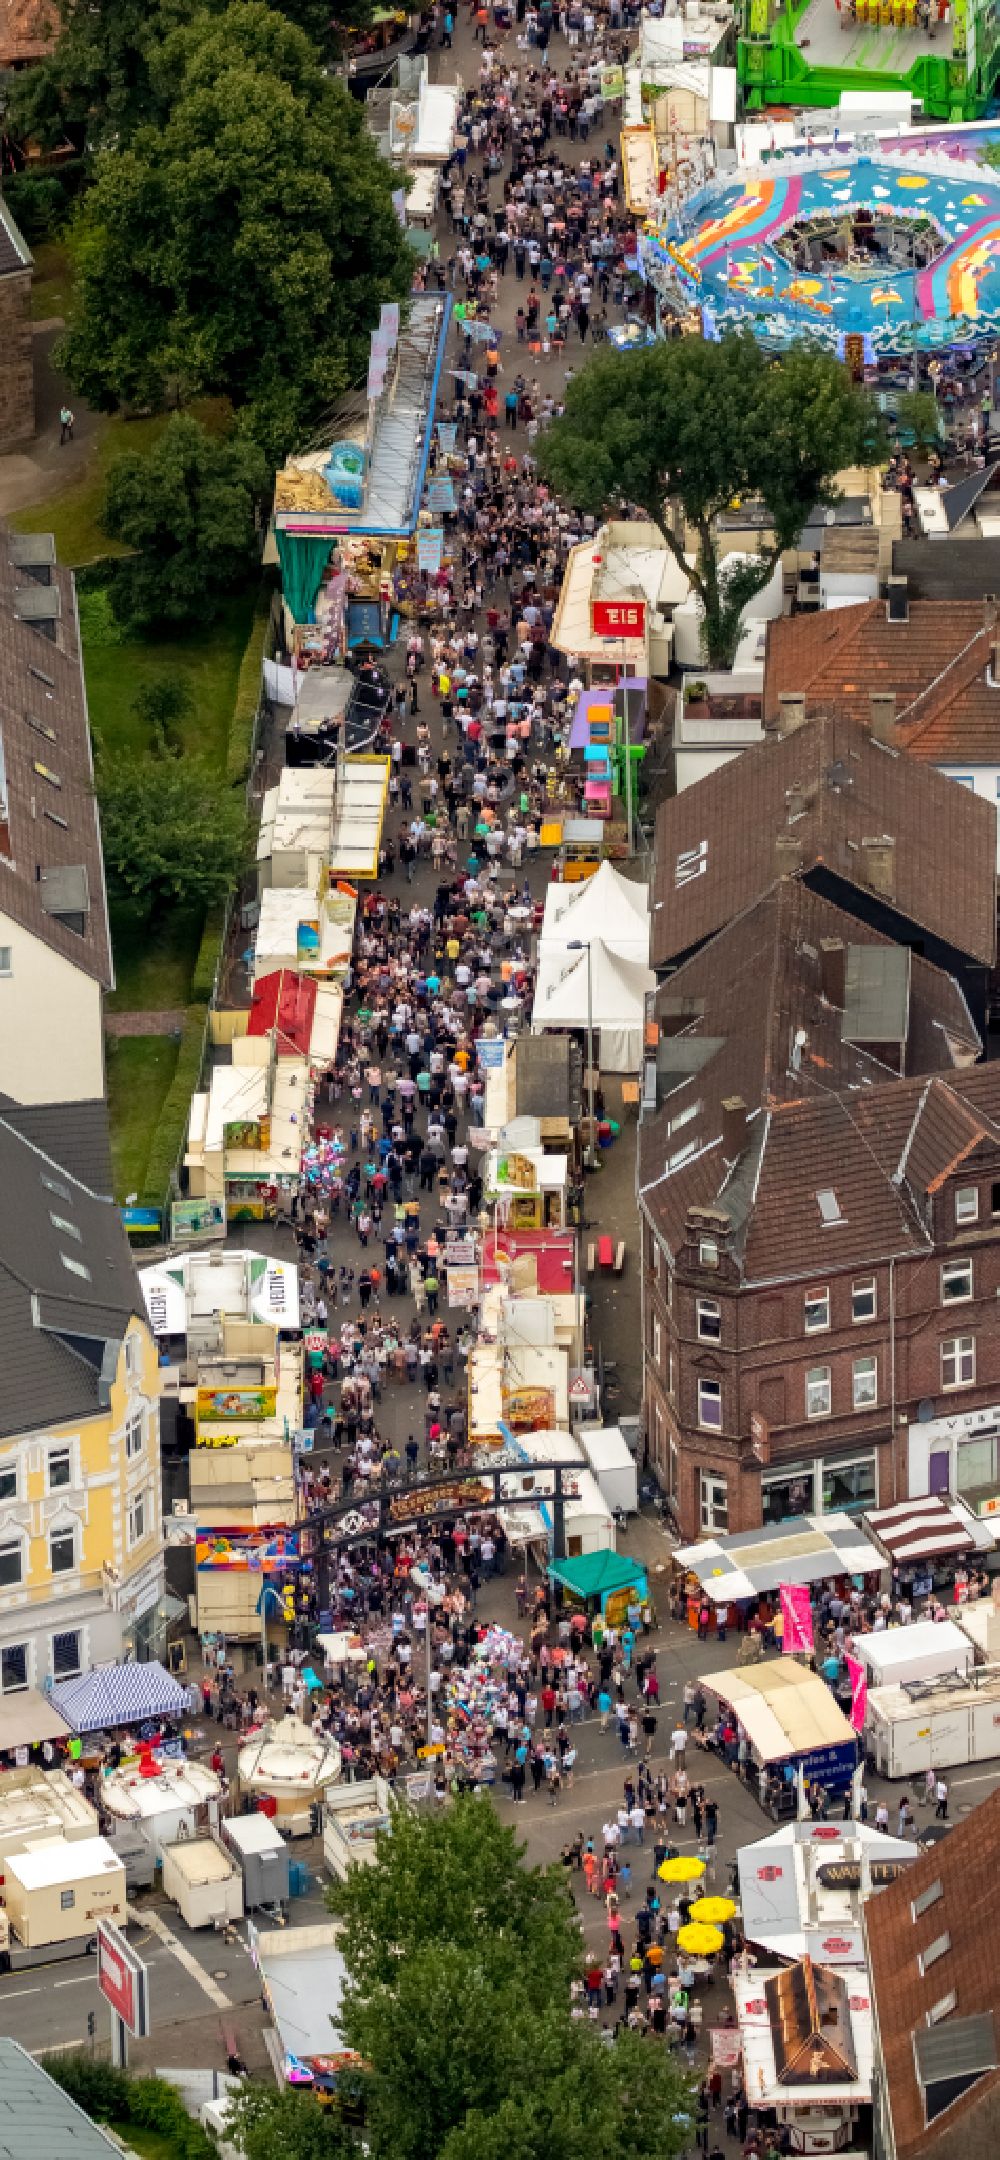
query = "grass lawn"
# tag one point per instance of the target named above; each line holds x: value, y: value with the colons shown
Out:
x: 52, y: 284
x: 73, y: 515
x: 153, y: 968
x: 152, y: 2144
x: 140, y: 1070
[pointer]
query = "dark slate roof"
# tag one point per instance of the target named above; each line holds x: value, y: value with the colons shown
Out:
x: 68, y: 1285
x: 37, y: 2117
x: 76, y: 1134
x: 49, y: 824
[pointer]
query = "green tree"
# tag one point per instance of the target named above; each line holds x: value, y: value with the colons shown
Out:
x: 918, y: 411
x: 700, y: 424
x: 162, y: 707
x: 266, y: 2124
x: 174, y: 835
x: 243, y: 246
x: 459, y: 1961
x: 188, y: 510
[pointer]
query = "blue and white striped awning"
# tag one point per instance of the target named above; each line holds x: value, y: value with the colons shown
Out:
x: 118, y: 1695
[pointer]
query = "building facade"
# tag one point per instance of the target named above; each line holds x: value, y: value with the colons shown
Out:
x: 17, y: 376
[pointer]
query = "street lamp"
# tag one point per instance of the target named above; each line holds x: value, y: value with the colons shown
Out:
x: 583, y: 945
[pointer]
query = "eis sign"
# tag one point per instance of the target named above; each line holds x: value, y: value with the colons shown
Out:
x: 618, y: 618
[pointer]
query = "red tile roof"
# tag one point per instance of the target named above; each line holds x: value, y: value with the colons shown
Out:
x: 286, y: 1002
x: 28, y: 30
x: 967, y: 1865
x: 938, y: 662
x: 825, y: 794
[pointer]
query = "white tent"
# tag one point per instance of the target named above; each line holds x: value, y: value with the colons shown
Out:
x: 607, y: 906
x: 615, y: 997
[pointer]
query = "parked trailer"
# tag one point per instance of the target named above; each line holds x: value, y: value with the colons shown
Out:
x: 204, y: 1881
x: 262, y: 1854
x: 946, y: 1723
x: 353, y: 1815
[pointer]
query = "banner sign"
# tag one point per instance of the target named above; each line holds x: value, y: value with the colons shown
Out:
x: 441, y: 494
x: 726, y: 2046
x: 859, y: 1692
x: 389, y: 320
x: 463, y: 1288
x: 612, y: 84
x: 618, y: 618
x: 796, y: 1612
x: 430, y: 549
x: 254, y: 1552
x: 197, y: 1218
x: 447, y: 435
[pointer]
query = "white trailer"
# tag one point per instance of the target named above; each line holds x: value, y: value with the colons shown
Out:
x: 922, y: 1651
x: 939, y: 1726
x: 204, y: 1881
x: 352, y: 1817
x: 613, y: 1465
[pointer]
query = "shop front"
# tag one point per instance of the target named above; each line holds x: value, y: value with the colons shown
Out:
x: 826, y: 1485
x: 958, y: 1455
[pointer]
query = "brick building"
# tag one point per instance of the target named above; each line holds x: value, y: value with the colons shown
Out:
x: 819, y: 1188
x: 17, y: 379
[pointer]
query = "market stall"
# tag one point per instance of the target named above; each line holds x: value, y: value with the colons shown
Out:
x: 806, y: 2036
x: 285, y: 1768
x: 163, y: 1800
x: 785, y: 1725
x: 802, y: 1888
x: 113, y: 1695
x: 602, y: 989
x: 738, y: 1570
x: 604, y: 1583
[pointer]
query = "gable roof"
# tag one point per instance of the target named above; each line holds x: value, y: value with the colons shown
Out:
x: 36, y: 2116
x: 827, y: 796
x: 51, y: 862
x: 825, y: 1114
x: 938, y: 662
x: 28, y: 30
x: 966, y: 1867
x: 68, y: 1286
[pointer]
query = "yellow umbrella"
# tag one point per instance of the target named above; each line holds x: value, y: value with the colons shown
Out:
x: 713, y: 1909
x: 681, y: 1870
x: 699, y: 1939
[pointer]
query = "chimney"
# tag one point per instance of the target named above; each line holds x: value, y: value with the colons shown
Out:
x: 833, y: 971
x: 788, y: 852
x: 791, y: 711
x: 882, y: 716
x: 878, y: 860
x: 734, y: 1127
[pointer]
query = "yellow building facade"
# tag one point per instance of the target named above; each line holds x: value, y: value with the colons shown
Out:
x: 81, y: 1557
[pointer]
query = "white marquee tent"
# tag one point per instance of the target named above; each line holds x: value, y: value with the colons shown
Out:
x: 615, y: 997
x: 607, y: 906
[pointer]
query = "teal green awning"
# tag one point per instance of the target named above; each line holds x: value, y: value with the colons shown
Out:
x: 303, y: 561
x: 598, y: 1574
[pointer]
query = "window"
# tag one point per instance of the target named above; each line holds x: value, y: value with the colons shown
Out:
x: 829, y: 1207
x: 41, y: 727
x: 995, y: 1199
x: 926, y: 1899
x: 45, y: 772
x: 863, y: 1299
x: 133, y: 1356
x: 709, y: 1319
x: 788, y: 1492
x: 967, y: 1203
x: 76, y: 1267
x: 135, y: 1431
x: 11, y: 1564
x: 13, y: 1668
x: 40, y: 676
x: 657, y: 1343
x: 958, y: 1361
x: 708, y: 1252
x: 8, y: 1482
x: 937, y: 1949
x: 6, y: 960
x: 52, y: 1184
x: 964, y: 779
x: 850, y: 1487
x: 62, y: 1551
x: 977, y: 1464
x: 865, y: 1382
x: 55, y: 819
x: 70, y: 1229
x: 683, y: 1117
x: 138, y: 1518
x: 818, y: 1391
x: 60, y: 1468
x: 817, y: 1311
x: 710, y: 1404
x: 67, y: 1900
x: 691, y: 863
x: 67, y: 1661
x: 714, y: 1502
x: 956, y: 1281
x: 942, y: 2008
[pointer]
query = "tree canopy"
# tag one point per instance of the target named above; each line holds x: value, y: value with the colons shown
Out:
x: 245, y: 243
x: 459, y: 1961
x: 174, y: 835
x: 702, y: 425
x: 188, y: 510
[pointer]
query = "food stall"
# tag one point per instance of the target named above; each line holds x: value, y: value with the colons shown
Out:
x: 604, y: 1583
x: 751, y: 1565
x: 302, y: 1976
x: 806, y: 2037
x: 802, y: 1887
x: 163, y: 1800
x: 204, y: 1881
x: 788, y: 1726
x: 353, y: 1816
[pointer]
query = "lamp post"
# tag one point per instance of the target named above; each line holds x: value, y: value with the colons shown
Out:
x: 583, y: 945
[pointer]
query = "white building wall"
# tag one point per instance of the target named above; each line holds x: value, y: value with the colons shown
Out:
x: 51, y: 1023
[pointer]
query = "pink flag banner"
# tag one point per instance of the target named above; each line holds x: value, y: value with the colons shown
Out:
x: 796, y: 1612
x: 859, y: 1692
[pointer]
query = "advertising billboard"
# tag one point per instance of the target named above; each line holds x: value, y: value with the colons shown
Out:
x: 123, y: 1979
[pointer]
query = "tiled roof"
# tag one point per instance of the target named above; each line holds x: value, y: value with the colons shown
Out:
x: 284, y: 1001
x: 28, y: 30
x: 15, y: 253
x: 50, y: 841
x: 938, y: 663
x: 966, y: 1864
x: 828, y: 795
x: 824, y: 1114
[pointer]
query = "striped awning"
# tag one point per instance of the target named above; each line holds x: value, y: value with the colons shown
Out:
x: 924, y: 1529
x: 118, y: 1695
